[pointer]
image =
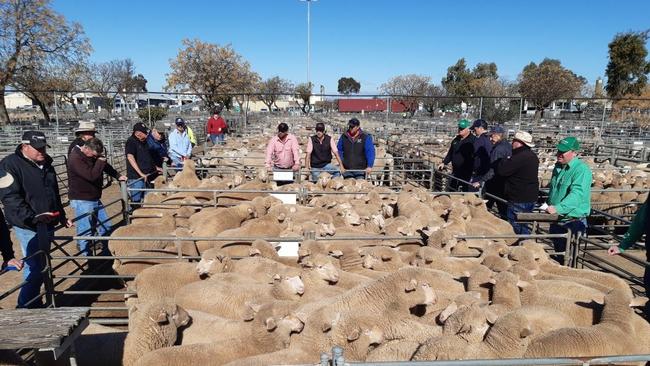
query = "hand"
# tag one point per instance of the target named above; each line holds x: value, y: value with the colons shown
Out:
x: 165, y: 159
x: 144, y: 177
x: 13, y: 262
x: 159, y: 169
x: 342, y: 169
x: 476, y: 184
x: 369, y: 170
x: 551, y: 210
x: 68, y: 223
x: 122, y: 178
x: 295, y: 168
x: 614, y: 250
x: 441, y: 166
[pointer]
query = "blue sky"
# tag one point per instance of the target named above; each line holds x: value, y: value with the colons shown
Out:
x: 371, y: 41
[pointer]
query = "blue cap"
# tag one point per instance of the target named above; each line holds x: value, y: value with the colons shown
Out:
x: 497, y: 129
x: 180, y: 121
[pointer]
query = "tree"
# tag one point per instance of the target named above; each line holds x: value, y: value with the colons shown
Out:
x: 157, y: 114
x: 113, y: 78
x: 432, y: 93
x: 271, y: 89
x: 457, y: 81
x: 303, y: 96
x: 542, y: 84
x: 213, y: 72
x: 348, y: 85
x: 627, y: 69
x: 33, y: 35
x: 408, y: 90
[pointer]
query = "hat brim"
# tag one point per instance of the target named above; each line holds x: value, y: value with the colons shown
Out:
x: 85, y: 130
x: 6, y: 181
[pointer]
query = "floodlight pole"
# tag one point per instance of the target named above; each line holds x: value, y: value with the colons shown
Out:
x: 308, y: 39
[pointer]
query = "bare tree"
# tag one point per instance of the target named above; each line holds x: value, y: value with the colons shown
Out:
x: 272, y: 89
x: 303, y: 96
x: 408, y: 90
x: 32, y: 35
x: 113, y: 78
x: 431, y: 99
x: 213, y: 72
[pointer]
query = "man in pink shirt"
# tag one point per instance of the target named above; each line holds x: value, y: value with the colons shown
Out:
x: 320, y: 149
x: 282, y: 151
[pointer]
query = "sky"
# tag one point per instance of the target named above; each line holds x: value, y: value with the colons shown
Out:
x: 369, y: 40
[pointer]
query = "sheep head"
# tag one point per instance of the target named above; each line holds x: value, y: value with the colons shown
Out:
x: 287, y: 284
x: 422, y: 293
x: 321, y: 265
x: 213, y: 261
x: 470, y: 322
x: 323, y: 180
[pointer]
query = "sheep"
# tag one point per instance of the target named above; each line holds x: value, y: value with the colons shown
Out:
x: 382, y: 259
x: 613, y: 335
x: 429, y: 257
x: 508, y: 338
x: 163, y: 280
x: 151, y: 326
x: 186, y: 178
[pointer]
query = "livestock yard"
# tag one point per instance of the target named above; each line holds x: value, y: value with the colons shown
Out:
x: 220, y: 265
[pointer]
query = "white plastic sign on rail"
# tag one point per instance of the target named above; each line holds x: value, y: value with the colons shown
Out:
x: 283, y: 176
x: 287, y: 249
x: 286, y: 198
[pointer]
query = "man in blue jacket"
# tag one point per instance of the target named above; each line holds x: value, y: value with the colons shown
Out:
x: 482, y: 150
x: 357, y: 151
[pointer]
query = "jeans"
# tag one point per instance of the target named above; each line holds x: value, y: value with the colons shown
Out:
x: 32, y: 267
x: 559, y: 244
x: 214, y: 138
x: 315, y: 172
x: 513, y: 209
x: 355, y: 175
x: 646, y: 284
x: 136, y: 196
x: 176, y: 160
x: 95, y: 223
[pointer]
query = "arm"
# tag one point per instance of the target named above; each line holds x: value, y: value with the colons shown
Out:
x: 88, y: 173
x: 188, y: 150
x: 370, y: 151
x: 14, y: 201
x: 636, y: 229
x: 296, y: 154
x: 336, y: 154
x: 580, y: 186
x: 110, y: 171
x: 339, y: 147
x: 447, y: 158
x: 310, y: 148
x: 174, y: 144
x: 134, y: 164
x: 268, y: 159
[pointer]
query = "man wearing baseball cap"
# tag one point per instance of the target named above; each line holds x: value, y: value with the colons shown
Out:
x: 180, y: 147
x: 461, y: 156
x: 357, y: 151
x: 33, y: 207
x: 141, y: 168
x: 482, y: 150
x: 569, y: 193
x: 521, y: 187
x: 493, y: 183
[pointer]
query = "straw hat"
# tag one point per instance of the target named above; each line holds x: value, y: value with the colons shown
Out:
x: 525, y: 138
x: 85, y: 126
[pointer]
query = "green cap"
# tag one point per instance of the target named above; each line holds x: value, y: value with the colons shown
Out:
x: 568, y: 143
x: 463, y: 123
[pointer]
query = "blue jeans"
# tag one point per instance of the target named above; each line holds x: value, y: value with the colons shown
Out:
x: 214, y: 138
x: 354, y: 175
x: 559, y: 244
x: 94, y: 222
x: 513, y: 209
x: 136, y: 196
x: 32, y: 268
x: 315, y: 172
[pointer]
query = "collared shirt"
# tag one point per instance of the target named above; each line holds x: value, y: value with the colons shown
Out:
x: 570, y: 189
x: 179, y: 144
x: 282, y: 154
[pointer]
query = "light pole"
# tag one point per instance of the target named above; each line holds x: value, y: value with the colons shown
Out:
x: 308, y: 38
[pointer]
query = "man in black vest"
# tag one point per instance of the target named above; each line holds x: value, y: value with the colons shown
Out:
x: 320, y: 149
x: 357, y: 151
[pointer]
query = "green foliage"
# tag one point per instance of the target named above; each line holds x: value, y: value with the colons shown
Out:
x: 627, y: 70
x: 157, y: 114
x: 542, y: 84
x: 457, y: 81
x: 348, y: 85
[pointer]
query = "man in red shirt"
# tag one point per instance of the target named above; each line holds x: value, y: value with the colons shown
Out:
x: 216, y: 127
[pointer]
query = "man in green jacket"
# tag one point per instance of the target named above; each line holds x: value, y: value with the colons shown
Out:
x: 569, y: 193
x: 640, y: 225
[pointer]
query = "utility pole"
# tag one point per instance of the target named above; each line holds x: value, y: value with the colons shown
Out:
x: 308, y: 39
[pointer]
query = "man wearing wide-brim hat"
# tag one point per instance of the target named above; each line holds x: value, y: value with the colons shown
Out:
x: 521, y: 188
x: 84, y: 132
x: 569, y: 193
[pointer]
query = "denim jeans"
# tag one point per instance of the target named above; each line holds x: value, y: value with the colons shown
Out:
x: 513, y: 209
x: 95, y: 222
x: 136, y: 196
x: 315, y: 172
x: 214, y: 138
x: 559, y: 244
x: 32, y: 267
x: 354, y: 175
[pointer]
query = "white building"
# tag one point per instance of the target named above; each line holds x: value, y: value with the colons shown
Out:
x: 15, y: 100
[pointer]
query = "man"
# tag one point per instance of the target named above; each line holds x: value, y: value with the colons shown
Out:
x: 84, y: 132
x: 482, y: 150
x: 569, y: 193
x: 141, y: 168
x: 461, y: 156
x: 493, y: 183
x: 357, y: 151
x: 640, y: 226
x: 33, y: 207
x: 216, y: 127
x: 180, y: 147
x: 86, y: 165
x: 320, y: 148
x: 6, y: 246
x: 521, y: 186
x: 282, y: 151
x: 157, y: 147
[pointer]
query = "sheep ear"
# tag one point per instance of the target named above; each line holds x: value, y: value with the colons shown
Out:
x: 270, y: 324
x: 638, y: 302
x: 354, y: 334
x: 326, y: 327
x: 308, y: 264
x: 522, y: 284
x: 161, y: 317
x: 385, y: 257
x: 490, y: 316
x: 526, y: 332
x: 275, y: 278
x: 411, y: 286
x: 492, y: 281
x: 336, y: 253
x: 446, y: 313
